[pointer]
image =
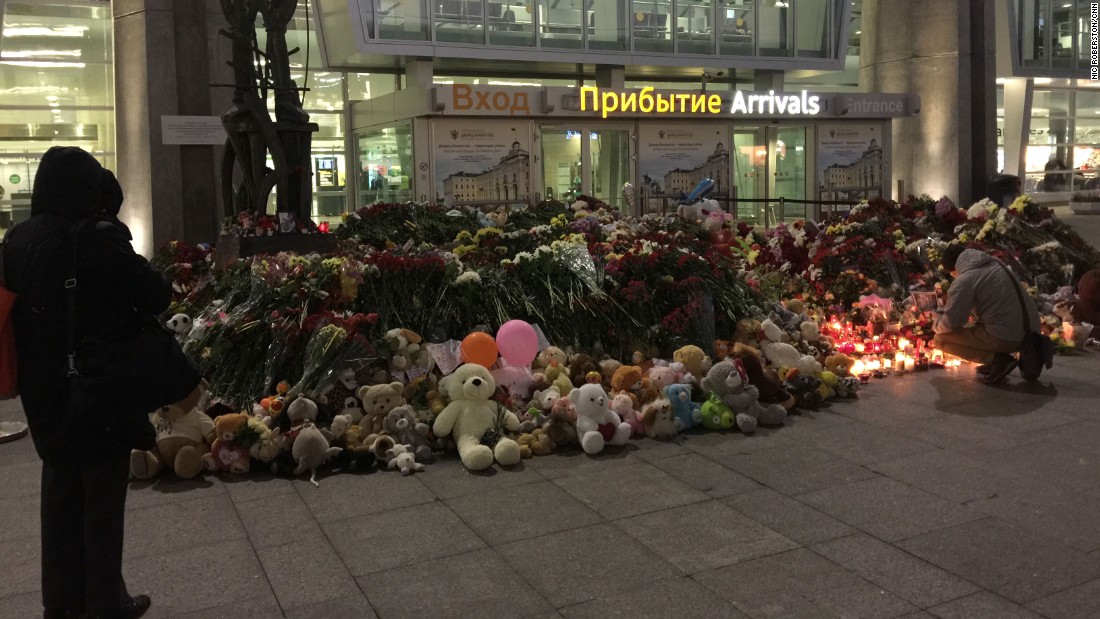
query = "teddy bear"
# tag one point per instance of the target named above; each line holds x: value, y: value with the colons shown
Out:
x: 694, y: 359
x: 184, y: 434
x: 557, y: 374
x: 551, y: 356
x: 661, y: 376
x: 226, y: 454
x: 730, y: 383
x: 721, y: 349
x: 628, y: 381
x: 805, y: 389
x: 311, y: 449
x: 535, y: 443
x: 765, y: 380
x: 624, y: 408
x: 747, y: 331
x: 608, y: 367
x: 400, y: 457
x: 839, y: 364
x: 597, y: 425
x: 686, y: 412
x: 378, y: 401
x: 405, y: 351
x: 476, y: 421
x: 339, y: 398
x: 539, y: 408
x: 847, y: 387
x: 561, y: 427
x: 402, y: 424
x: 691, y: 212
x: 658, y: 419
x: 811, y: 333
x: 580, y: 367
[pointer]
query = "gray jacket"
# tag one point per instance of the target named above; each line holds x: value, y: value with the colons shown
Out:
x: 984, y: 289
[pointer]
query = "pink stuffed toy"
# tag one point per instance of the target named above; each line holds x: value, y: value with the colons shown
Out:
x: 624, y: 407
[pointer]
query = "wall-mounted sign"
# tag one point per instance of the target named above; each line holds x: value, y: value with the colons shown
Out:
x: 593, y: 101
x: 849, y: 160
x: 328, y: 175
x: 192, y: 130
x: 476, y: 161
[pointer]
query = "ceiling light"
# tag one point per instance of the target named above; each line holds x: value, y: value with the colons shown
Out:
x: 42, y: 31
x: 41, y: 63
x: 40, y: 53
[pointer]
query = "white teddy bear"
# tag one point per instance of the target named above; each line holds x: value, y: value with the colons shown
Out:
x: 596, y: 423
x: 475, y: 421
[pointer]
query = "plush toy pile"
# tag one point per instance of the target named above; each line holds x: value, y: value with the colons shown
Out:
x: 658, y: 325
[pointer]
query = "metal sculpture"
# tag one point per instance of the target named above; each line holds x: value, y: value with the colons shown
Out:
x: 252, y: 135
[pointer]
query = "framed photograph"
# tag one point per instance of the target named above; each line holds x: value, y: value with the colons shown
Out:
x: 925, y: 301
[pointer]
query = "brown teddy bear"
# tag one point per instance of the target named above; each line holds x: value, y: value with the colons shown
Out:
x: 580, y: 367
x: 535, y: 443
x: 227, y: 454
x: 694, y: 359
x: 748, y: 332
x: 629, y: 380
x: 839, y: 364
x: 378, y: 401
x: 184, y: 435
x: 766, y: 381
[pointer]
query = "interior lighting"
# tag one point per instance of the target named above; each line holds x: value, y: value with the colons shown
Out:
x: 41, y: 53
x: 42, y: 31
x: 41, y: 63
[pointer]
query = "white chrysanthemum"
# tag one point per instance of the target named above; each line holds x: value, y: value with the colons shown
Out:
x: 468, y: 277
x: 523, y: 255
x: 1048, y: 246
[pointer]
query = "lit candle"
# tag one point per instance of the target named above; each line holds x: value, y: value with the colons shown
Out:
x: 887, y: 363
x: 910, y: 363
x: 860, y: 347
x: 874, y: 365
x: 857, y: 368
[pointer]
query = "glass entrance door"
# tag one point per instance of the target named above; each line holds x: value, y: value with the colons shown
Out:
x: 787, y: 174
x: 611, y: 157
x: 580, y: 161
x: 561, y: 164
x: 750, y: 164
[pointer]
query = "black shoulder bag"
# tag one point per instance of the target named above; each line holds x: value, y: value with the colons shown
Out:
x: 1036, y: 350
x: 115, y: 382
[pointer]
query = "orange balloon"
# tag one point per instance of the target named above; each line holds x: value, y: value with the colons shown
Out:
x: 479, y: 348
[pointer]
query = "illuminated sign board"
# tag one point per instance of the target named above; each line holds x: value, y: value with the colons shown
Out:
x: 476, y: 100
x: 647, y: 101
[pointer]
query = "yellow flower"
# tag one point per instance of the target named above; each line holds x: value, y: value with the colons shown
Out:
x: 963, y: 238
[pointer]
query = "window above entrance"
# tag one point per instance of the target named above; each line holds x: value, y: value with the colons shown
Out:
x: 634, y: 33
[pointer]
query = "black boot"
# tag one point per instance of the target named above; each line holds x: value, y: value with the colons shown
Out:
x: 1002, y: 366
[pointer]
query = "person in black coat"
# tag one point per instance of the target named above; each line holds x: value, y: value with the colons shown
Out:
x: 85, y: 463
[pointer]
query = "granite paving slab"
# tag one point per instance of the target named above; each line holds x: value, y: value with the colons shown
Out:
x: 730, y: 538
x: 576, y: 462
x: 682, y: 598
x: 21, y: 518
x: 721, y: 445
x: 896, y: 571
x: 956, y: 477
x: 795, y: 468
x: 889, y: 509
x: 400, y: 537
x: 863, y: 443
x: 1051, y: 511
x: 653, y: 450
x: 585, y: 564
x: 179, y: 525
x: 167, y: 488
x: 982, y: 604
x: 256, y: 608
x: 788, y: 517
x: 21, y: 605
x: 706, y: 475
x: 447, y: 478
x: 306, y: 572
x: 269, y: 520
x: 200, y: 577
x: 22, y: 566
x: 257, y: 485
x: 1083, y: 436
x: 1080, y: 602
x: 474, y: 584
x: 509, y: 514
x: 22, y: 478
x: 352, y: 607
x: 800, y: 583
x: 1007, y: 559
x: 1055, y: 464
x: 626, y: 491
x: 343, y: 496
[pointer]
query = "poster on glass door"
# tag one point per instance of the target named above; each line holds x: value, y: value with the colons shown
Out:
x: 673, y: 158
x: 849, y: 161
x: 481, y: 162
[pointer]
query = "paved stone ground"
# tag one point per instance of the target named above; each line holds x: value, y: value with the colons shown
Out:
x: 930, y: 496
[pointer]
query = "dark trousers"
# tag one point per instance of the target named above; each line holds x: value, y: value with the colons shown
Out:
x: 83, y: 513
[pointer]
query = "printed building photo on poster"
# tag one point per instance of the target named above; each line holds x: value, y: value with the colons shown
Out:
x: 849, y: 161
x: 673, y: 158
x: 481, y: 161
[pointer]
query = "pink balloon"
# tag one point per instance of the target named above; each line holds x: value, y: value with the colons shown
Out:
x: 518, y: 342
